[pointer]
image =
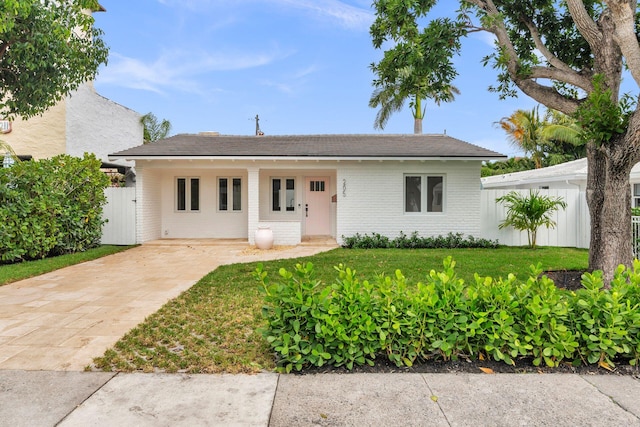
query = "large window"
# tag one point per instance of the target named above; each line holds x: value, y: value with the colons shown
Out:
x: 283, y: 194
x: 187, y: 194
x: 230, y: 194
x: 423, y: 193
x: 636, y: 195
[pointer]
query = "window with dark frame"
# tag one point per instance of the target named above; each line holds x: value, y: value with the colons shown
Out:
x: 423, y: 193
x: 187, y: 189
x: 229, y: 194
x: 283, y: 194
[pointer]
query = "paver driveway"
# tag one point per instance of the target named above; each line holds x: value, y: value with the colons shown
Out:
x: 63, y: 319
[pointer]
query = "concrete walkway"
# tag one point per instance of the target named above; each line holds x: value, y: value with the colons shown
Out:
x: 61, y: 320
x: 40, y: 398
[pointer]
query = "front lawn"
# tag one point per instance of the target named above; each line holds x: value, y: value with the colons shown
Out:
x: 212, y: 327
x: 23, y: 270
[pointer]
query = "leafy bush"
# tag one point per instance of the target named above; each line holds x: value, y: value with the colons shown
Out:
x: 451, y: 240
x: 50, y: 206
x: 352, y: 322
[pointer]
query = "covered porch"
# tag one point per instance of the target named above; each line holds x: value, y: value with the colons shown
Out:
x: 227, y: 199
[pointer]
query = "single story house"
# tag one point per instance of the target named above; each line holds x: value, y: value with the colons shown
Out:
x: 211, y: 186
x: 569, y: 175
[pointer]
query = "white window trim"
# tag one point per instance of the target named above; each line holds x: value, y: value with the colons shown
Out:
x: 187, y: 195
x: 423, y: 193
x: 229, y: 194
x: 283, y: 195
x: 635, y: 199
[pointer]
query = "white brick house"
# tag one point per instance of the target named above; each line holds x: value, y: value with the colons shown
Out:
x: 207, y: 186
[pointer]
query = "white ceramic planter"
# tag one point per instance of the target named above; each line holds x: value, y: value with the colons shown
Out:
x: 264, y: 237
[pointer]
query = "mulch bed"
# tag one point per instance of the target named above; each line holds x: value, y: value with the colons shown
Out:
x: 567, y: 279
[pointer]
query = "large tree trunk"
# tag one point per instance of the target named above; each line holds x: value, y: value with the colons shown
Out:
x: 417, y: 126
x: 609, y: 201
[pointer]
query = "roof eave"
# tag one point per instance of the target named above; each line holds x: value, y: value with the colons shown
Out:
x: 306, y: 158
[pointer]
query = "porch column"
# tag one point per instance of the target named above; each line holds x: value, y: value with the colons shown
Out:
x: 253, y: 208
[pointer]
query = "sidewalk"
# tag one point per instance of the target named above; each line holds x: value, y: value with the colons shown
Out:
x: 45, y: 398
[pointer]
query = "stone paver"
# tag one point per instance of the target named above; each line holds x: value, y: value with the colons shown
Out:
x: 63, y: 319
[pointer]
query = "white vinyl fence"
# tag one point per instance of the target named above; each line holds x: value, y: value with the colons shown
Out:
x: 635, y: 232
x: 572, y: 224
x: 120, y: 213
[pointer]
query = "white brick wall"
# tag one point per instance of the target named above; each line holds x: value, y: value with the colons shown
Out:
x: 371, y: 199
x: 208, y: 222
x: 98, y: 125
x: 285, y: 233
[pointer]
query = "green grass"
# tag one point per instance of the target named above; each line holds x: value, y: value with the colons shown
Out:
x: 212, y: 327
x: 13, y: 272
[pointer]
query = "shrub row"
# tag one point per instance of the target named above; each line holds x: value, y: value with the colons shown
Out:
x: 352, y: 322
x: 50, y: 207
x: 414, y: 241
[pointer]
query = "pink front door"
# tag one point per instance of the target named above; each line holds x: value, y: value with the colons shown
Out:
x: 317, y: 213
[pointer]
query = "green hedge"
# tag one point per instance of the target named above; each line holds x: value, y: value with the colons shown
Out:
x: 50, y: 207
x: 352, y: 322
x: 414, y: 241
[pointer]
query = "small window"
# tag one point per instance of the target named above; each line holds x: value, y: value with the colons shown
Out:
x: 423, y: 193
x: 229, y: 191
x: 187, y: 194
x: 316, y: 186
x: 636, y: 195
x: 283, y: 193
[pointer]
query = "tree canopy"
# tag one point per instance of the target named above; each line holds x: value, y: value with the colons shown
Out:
x: 412, y: 69
x: 47, y: 49
x: 570, y: 56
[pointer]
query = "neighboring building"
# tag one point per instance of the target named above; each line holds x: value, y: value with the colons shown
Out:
x: 569, y: 175
x: 82, y: 122
x: 209, y: 186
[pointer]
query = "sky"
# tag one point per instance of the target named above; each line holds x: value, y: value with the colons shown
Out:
x: 302, y: 66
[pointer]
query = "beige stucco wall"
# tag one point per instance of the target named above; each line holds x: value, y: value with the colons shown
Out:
x: 41, y: 136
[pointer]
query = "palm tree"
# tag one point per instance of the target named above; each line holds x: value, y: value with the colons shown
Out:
x: 524, y: 131
x: 555, y: 138
x: 391, y: 98
x: 528, y: 213
x: 154, y: 130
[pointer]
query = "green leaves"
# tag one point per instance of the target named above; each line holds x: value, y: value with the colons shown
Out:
x: 419, y: 65
x: 51, y: 206
x: 47, y: 49
x: 352, y: 322
x: 601, y: 116
x: 528, y: 213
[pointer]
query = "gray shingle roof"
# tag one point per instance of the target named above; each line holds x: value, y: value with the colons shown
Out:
x: 328, y: 146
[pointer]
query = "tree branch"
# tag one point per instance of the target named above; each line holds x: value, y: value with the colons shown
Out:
x: 586, y: 26
x: 543, y: 94
x: 550, y: 57
x: 623, y: 13
x: 570, y: 76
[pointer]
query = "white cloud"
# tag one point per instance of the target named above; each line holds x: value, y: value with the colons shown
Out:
x: 293, y: 82
x: 345, y: 15
x: 177, y: 70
